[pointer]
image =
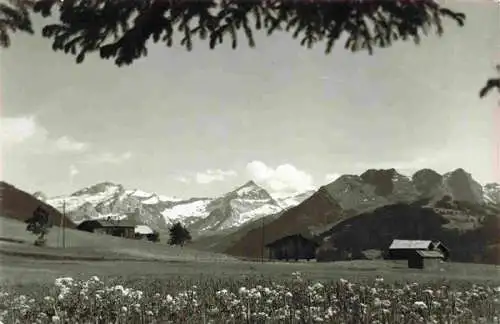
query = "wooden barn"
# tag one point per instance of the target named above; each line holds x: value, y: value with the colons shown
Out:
x: 144, y: 232
x: 121, y: 228
x: 421, y: 259
x: 293, y: 247
x: 404, y: 249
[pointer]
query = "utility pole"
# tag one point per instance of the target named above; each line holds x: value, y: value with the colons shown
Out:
x: 262, y: 243
x: 64, y: 225
x: 59, y: 232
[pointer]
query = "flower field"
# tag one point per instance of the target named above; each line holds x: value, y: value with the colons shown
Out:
x: 251, y: 300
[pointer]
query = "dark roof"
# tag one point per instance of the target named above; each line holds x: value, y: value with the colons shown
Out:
x: 109, y: 223
x: 299, y: 236
x: 430, y: 254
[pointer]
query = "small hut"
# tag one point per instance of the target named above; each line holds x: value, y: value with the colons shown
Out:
x: 145, y: 232
x: 404, y: 249
x: 295, y: 247
x: 421, y: 259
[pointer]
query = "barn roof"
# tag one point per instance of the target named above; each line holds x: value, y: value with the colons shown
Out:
x: 410, y: 244
x: 143, y: 229
x: 109, y: 223
x: 430, y: 254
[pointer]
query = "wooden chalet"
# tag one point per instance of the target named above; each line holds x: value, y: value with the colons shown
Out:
x: 121, y: 228
x: 292, y: 247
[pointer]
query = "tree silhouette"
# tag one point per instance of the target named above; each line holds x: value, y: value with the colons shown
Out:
x: 119, y: 29
x: 39, y: 225
x: 179, y: 235
x: 490, y: 84
x: 14, y: 16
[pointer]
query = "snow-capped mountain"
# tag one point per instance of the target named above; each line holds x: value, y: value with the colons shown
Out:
x: 246, y: 203
x: 106, y: 199
x: 491, y: 193
x: 354, y: 193
x: 287, y: 200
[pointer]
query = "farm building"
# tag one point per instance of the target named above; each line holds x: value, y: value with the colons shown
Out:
x: 420, y: 259
x: 121, y: 228
x: 292, y: 247
x: 145, y: 232
x: 404, y: 249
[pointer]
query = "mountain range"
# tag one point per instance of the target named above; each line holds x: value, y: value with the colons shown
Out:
x: 352, y: 194
x: 460, y: 200
x: 451, y: 206
x: 201, y: 215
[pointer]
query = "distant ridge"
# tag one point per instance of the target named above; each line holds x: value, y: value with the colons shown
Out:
x: 18, y: 204
x: 454, y: 195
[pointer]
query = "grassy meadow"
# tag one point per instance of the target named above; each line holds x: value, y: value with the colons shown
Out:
x: 103, y: 279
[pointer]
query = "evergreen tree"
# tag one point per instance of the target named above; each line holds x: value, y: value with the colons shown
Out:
x: 39, y: 225
x: 14, y: 16
x: 179, y: 235
x: 120, y: 30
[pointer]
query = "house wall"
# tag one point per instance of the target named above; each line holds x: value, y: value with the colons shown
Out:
x: 400, y: 254
x: 292, y: 248
x: 116, y: 231
x: 432, y: 263
x: 418, y: 262
x: 88, y: 227
x: 101, y: 230
x: 415, y: 262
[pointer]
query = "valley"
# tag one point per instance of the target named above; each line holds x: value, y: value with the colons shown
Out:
x: 369, y: 209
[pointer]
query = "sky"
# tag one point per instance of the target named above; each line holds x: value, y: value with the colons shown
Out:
x: 201, y: 123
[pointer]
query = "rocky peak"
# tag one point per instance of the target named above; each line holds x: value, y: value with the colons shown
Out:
x: 463, y: 187
x: 427, y: 182
x: 251, y: 190
x: 103, y: 187
x: 382, y: 180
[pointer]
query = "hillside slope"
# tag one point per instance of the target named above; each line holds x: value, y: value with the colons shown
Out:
x: 351, y: 195
x: 88, y: 245
x: 471, y: 237
x: 18, y: 204
x: 315, y: 212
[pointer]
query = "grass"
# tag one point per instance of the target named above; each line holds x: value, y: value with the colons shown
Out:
x: 82, y: 245
x: 188, y: 286
x: 256, y: 299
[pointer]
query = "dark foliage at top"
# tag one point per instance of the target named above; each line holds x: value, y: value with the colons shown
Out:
x: 14, y: 16
x: 490, y: 84
x: 121, y: 29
